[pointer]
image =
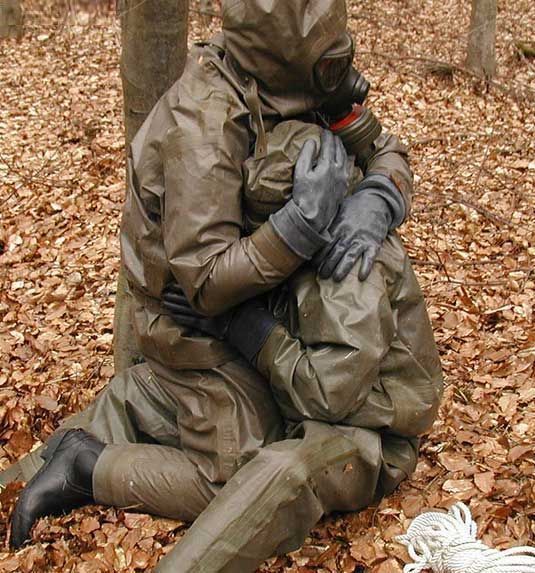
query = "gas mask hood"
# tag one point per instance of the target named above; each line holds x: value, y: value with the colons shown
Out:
x: 298, y: 51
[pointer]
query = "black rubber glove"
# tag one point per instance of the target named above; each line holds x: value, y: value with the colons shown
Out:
x: 360, y: 228
x: 246, y: 327
x: 176, y: 304
x: 318, y: 191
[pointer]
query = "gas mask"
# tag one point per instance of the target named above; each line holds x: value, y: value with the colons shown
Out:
x: 347, y: 90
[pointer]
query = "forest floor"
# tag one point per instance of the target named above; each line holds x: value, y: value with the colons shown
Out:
x: 471, y: 237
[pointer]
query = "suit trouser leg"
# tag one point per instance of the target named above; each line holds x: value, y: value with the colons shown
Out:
x: 224, y: 416
x: 131, y: 408
x: 180, y: 435
x: 271, y: 503
x: 152, y: 479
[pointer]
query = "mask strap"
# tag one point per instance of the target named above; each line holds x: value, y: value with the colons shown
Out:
x: 252, y: 100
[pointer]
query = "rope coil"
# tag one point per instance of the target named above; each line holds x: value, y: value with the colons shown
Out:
x: 447, y: 543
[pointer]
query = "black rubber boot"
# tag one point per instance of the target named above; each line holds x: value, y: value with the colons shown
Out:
x: 63, y: 483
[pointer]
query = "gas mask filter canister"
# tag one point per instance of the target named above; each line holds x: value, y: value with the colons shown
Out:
x: 347, y: 89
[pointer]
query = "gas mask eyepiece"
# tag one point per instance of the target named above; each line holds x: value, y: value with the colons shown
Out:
x: 331, y: 69
x: 335, y: 77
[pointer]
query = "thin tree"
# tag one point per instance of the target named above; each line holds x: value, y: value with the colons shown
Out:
x: 481, y: 53
x: 154, y: 37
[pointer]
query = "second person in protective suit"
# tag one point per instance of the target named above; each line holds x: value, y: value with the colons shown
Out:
x: 353, y: 367
x: 341, y: 341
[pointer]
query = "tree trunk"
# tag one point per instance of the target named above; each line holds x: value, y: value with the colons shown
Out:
x: 10, y: 19
x: 154, y: 45
x: 481, y: 55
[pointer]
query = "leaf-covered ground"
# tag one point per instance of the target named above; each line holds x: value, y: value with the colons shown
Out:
x: 471, y: 236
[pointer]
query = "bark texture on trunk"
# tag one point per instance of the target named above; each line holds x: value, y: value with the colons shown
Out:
x: 481, y: 55
x: 10, y: 19
x: 154, y: 45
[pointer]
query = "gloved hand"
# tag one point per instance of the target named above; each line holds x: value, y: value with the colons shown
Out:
x: 358, y: 231
x: 246, y: 327
x: 177, y: 305
x: 318, y: 191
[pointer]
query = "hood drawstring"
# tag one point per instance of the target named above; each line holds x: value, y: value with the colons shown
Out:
x: 252, y: 100
x: 246, y: 84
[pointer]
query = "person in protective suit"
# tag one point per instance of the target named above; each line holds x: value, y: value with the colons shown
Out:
x: 353, y: 367
x: 196, y: 410
x: 325, y: 346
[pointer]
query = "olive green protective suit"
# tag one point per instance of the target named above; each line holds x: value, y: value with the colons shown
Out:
x: 355, y: 371
x: 358, y: 353
x: 195, y: 414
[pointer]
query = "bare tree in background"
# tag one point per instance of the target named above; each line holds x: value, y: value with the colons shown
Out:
x: 481, y: 55
x: 154, y: 37
x: 10, y: 19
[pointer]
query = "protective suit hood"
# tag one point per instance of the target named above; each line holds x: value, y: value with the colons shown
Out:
x: 278, y: 42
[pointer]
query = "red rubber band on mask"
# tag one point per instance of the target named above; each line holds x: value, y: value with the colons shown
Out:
x: 355, y: 113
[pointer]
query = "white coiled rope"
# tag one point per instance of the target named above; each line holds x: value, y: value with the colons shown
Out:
x: 446, y: 543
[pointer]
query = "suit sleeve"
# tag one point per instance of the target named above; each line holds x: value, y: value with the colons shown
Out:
x: 203, y: 223
x: 389, y: 157
x: 328, y: 371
